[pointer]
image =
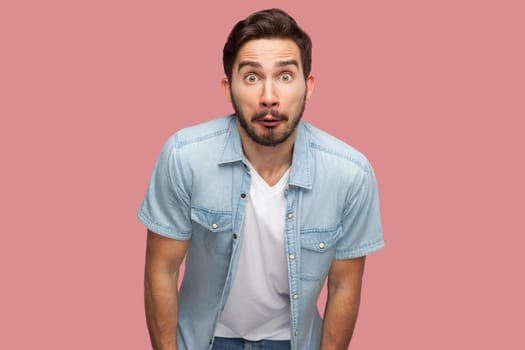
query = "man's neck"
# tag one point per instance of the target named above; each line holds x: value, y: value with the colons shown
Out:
x: 271, y: 162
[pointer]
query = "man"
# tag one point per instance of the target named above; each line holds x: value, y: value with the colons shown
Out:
x: 263, y: 207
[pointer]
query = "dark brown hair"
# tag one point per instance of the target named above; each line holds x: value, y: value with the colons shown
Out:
x: 266, y: 24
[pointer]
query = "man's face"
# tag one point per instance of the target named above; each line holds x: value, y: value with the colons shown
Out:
x: 268, y: 90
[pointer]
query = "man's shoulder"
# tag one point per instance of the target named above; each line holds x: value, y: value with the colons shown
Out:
x: 321, y: 143
x: 202, y: 132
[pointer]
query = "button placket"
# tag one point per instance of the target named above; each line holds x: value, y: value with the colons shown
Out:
x: 292, y: 236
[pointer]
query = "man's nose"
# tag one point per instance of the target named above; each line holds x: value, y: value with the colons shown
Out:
x: 269, y: 96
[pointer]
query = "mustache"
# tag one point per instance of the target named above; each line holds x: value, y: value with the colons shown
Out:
x: 273, y: 112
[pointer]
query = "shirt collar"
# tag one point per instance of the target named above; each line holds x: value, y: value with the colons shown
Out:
x: 232, y: 147
x: 300, y: 172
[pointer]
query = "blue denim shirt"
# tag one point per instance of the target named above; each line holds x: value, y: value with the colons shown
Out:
x: 199, y: 190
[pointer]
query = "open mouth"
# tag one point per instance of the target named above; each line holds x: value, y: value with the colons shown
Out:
x: 269, y: 119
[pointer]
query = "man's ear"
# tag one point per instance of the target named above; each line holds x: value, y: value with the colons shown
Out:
x: 225, y: 84
x: 310, y: 83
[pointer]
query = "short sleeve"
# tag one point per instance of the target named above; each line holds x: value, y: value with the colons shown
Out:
x: 362, y: 232
x: 166, y: 206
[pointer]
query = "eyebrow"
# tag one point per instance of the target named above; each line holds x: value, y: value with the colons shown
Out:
x: 254, y: 64
x: 287, y: 63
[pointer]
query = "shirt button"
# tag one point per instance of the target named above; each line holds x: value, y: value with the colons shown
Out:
x: 243, y: 195
x: 292, y: 256
x: 234, y: 236
x: 321, y: 245
x: 214, y: 226
x: 295, y: 296
x: 290, y: 215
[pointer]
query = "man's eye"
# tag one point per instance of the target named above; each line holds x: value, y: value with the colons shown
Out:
x: 286, y: 77
x: 251, y: 78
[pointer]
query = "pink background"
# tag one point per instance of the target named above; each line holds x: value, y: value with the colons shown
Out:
x: 431, y: 91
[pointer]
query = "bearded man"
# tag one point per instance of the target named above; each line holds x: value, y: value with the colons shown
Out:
x: 263, y: 206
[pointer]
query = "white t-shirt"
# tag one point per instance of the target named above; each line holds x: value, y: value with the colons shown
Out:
x: 258, y: 306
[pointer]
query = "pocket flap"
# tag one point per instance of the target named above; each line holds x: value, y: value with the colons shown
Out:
x: 215, y: 221
x: 320, y: 241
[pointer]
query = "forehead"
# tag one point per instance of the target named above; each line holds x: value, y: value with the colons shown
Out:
x: 268, y: 51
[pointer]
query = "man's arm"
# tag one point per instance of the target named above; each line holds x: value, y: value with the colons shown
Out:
x: 342, y: 305
x: 163, y: 259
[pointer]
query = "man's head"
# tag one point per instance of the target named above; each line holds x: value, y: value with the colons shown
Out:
x: 267, y: 24
x: 267, y: 61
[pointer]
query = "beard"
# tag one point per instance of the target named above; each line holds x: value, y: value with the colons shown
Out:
x: 270, y: 137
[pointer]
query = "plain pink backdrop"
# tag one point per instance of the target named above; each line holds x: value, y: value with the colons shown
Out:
x: 433, y: 92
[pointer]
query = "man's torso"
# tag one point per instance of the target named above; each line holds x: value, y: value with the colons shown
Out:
x: 328, y: 183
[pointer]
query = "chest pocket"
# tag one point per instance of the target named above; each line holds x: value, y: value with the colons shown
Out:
x: 212, y: 229
x: 317, y: 252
